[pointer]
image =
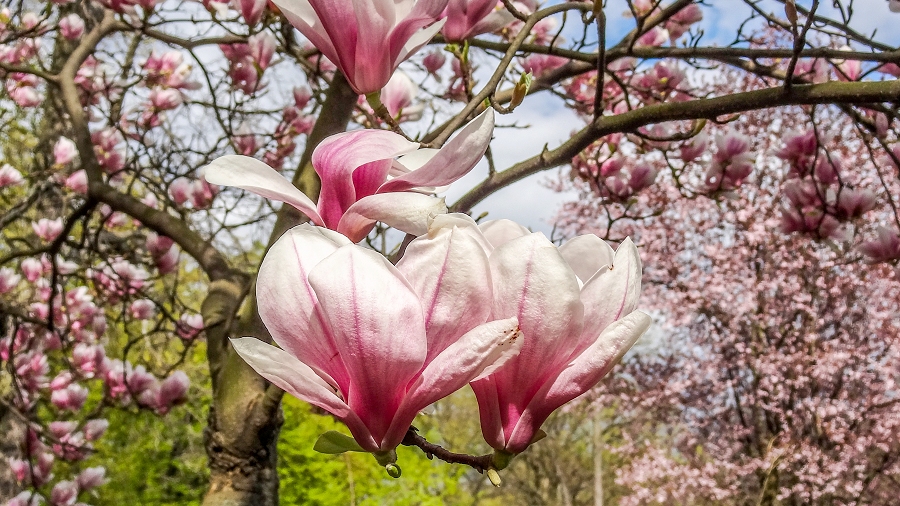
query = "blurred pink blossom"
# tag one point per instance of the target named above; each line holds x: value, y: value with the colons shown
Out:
x: 9, y: 176
x: 48, y: 229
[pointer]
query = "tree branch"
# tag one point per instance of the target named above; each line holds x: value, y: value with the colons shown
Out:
x: 833, y: 92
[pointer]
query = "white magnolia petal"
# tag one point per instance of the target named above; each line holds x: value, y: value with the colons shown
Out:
x: 418, y: 40
x: 451, y: 162
x: 376, y: 319
x: 288, y: 305
x: 612, y: 293
x: 596, y: 361
x: 500, y: 232
x: 533, y: 283
x: 255, y: 176
x: 449, y: 271
x: 586, y: 254
x: 407, y: 212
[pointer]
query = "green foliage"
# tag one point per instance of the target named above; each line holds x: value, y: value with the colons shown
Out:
x: 152, y: 460
x: 308, y: 477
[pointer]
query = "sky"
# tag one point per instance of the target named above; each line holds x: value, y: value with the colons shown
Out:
x: 533, y: 204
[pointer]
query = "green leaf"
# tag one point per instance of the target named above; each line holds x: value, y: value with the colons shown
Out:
x: 334, y: 443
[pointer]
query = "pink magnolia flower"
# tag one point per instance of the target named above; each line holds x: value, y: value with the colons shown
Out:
x: 252, y: 10
x: 9, y: 176
x: 366, y: 39
x: 64, y: 151
x: 180, y: 190
x: 171, y: 391
x: 91, y: 477
x: 335, y: 309
x: 189, y: 326
x: 539, y: 64
x: 262, y: 48
x: 48, y: 229
x: 894, y: 5
x: 165, y: 99
x: 354, y: 168
x: 849, y: 70
x: 95, y: 428
x: 109, y: 148
x: 398, y: 95
x: 32, y: 268
x: 123, y: 380
x: 26, y: 498
x: 142, y: 309
x: 64, y: 493
x: 575, y: 306
x: 433, y: 61
x: 885, y: 248
x: 9, y: 279
x: 681, y: 22
x: 70, y: 398
x: 71, y: 27
x: 78, y: 182
x: 244, y: 141
x: 302, y: 96
x: 468, y: 18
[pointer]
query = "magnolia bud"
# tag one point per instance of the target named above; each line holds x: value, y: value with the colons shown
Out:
x: 521, y: 90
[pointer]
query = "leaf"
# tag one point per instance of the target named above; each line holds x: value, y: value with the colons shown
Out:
x: 335, y: 443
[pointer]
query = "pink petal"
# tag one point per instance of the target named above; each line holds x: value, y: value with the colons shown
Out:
x: 338, y: 156
x: 481, y: 351
x: 500, y: 232
x: 449, y: 271
x: 378, y: 328
x: 489, y: 412
x: 407, y: 212
x: 416, y: 40
x: 374, y: 63
x: 254, y: 176
x: 586, y: 254
x: 288, y: 305
x: 612, y: 293
x: 297, y: 379
x: 533, y: 282
x: 580, y: 376
x: 451, y: 162
x: 301, y: 14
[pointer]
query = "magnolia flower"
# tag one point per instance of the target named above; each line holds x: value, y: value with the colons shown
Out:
x: 9, y: 279
x: 48, y: 229
x: 433, y: 61
x: 575, y: 307
x: 91, y: 477
x: 398, y: 98
x: 367, y: 40
x: 252, y: 10
x: 71, y: 27
x: 371, y: 343
x: 64, y: 151
x: 64, y: 493
x: 468, y: 18
x: 354, y: 169
x: 885, y: 248
x: 9, y: 176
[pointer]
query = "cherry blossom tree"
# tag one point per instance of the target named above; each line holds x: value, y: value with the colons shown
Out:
x: 123, y: 258
x: 773, y: 378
